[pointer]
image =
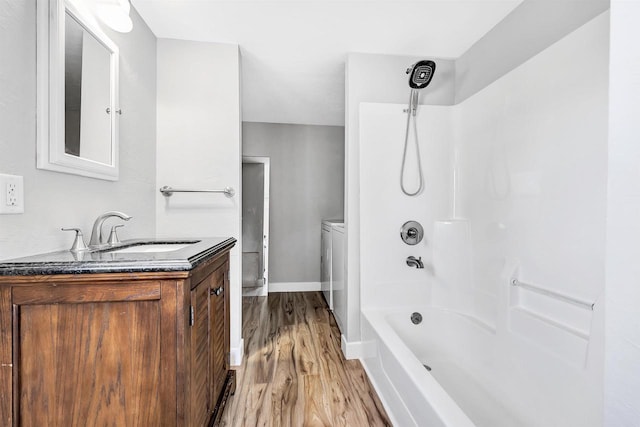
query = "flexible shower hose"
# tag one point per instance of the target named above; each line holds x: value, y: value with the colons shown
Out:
x: 411, y: 111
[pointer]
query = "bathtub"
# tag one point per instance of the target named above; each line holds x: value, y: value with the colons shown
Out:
x: 476, y: 375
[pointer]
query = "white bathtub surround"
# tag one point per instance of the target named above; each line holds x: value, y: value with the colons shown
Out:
x: 555, y: 321
x: 452, y: 258
x: 385, y: 81
x: 376, y: 78
x: 386, y: 279
x: 531, y: 179
x: 515, y: 189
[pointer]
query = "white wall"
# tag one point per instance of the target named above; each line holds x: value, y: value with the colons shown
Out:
x: 622, y: 368
x: 54, y: 200
x: 199, y: 146
x: 529, y: 29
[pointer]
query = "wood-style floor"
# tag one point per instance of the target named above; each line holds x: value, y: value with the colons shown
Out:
x: 294, y: 373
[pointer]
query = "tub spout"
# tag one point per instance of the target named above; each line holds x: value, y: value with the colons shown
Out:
x: 415, y: 262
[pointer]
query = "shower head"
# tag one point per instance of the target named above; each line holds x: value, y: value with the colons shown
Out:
x: 421, y: 74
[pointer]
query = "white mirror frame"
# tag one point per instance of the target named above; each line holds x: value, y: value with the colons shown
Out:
x: 50, y: 92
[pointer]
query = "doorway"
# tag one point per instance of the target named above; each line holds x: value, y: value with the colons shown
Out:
x: 255, y: 226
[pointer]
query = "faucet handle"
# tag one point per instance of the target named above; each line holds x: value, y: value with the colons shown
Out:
x: 78, y: 243
x: 113, y: 236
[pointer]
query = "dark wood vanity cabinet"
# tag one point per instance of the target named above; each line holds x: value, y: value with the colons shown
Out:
x: 88, y: 354
x: 115, y: 349
x: 210, y: 338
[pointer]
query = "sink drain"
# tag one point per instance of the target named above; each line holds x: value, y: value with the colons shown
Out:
x: 416, y: 318
x: 427, y: 367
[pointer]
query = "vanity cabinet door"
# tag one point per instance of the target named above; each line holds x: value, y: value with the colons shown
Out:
x: 89, y: 355
x: 209, y: 344
x: 209, y: 335
x: 200, y: 397
x: 219, y: 346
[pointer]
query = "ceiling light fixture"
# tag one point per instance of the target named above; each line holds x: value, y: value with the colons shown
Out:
x: 115, y: 14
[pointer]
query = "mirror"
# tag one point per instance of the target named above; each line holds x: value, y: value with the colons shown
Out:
x: 77, y: 93
x: 87, y: 84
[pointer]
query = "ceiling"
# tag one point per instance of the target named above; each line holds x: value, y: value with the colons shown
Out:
x: 293, y: 52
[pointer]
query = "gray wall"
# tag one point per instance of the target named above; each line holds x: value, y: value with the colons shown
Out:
x: 307, y: 186
x: 54, y: 200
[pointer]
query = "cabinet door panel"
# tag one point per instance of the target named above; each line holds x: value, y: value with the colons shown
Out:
x: 82, y: 364
x: 218, y: 368
x: 200, y: 378
x: 82, y: 293
x: 6, y: 358
x: 227, y: 319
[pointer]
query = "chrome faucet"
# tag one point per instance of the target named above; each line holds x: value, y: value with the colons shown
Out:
x: 415, y: 262
x: 96, y: 232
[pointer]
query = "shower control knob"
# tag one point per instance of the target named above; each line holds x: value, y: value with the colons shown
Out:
x: 411, y: 233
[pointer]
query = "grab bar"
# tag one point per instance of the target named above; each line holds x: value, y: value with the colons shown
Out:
x: 168, y: 191
x: 553, y: 294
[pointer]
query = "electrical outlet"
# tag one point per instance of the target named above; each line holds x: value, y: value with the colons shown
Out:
x: 11, y: 194
x: 12, y: 200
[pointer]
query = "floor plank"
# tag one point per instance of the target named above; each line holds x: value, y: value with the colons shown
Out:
x: 293, y: 372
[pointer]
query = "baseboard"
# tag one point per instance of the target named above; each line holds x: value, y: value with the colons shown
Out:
x: 236, y: 354
x: 353, y: 349
x: 261, y: 291
x: 294, y: 287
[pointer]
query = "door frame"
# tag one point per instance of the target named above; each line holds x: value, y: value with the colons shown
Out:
x: 266, y: 161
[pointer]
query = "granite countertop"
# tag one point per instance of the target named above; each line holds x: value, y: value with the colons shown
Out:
x: 106, y: 261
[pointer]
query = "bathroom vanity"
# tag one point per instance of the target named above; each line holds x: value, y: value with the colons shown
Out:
x: 134, y: 337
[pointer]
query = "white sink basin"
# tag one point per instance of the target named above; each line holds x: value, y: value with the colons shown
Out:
x: 166, y: 247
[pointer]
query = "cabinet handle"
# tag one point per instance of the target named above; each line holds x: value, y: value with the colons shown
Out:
x: 217, y: 291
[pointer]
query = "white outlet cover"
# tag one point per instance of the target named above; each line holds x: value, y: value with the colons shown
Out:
x: 15, y: 203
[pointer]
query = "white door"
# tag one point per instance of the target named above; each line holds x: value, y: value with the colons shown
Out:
x: 255, y: 225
